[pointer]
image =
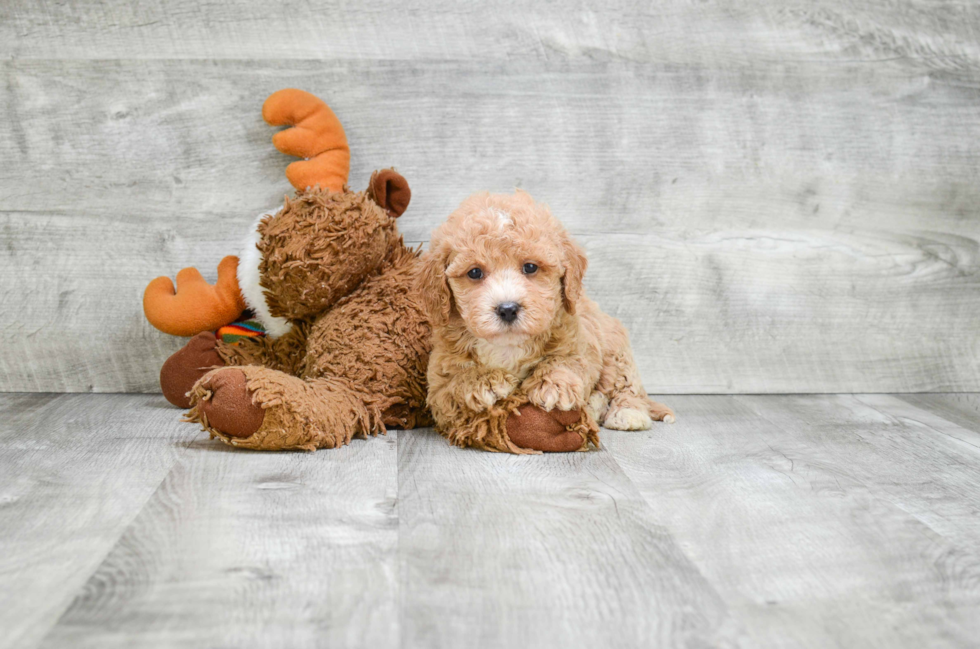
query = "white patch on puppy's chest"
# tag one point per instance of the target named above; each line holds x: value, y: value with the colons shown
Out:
x: 504, y: 357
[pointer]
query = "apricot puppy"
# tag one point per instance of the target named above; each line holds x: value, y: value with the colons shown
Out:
x: 502, y: 286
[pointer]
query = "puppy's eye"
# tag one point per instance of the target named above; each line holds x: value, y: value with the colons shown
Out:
x: 530, y: 269
x: 475, y: 273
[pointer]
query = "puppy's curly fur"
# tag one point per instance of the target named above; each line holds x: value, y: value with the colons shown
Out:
x: 560, y: 350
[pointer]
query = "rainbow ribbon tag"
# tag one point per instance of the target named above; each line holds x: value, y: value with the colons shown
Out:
x: 240, y: 330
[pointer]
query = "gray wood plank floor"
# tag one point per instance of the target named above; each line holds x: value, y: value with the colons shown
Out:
x: 755, y: 521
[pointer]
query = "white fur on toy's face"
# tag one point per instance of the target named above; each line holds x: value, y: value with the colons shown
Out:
x: 248, y: 282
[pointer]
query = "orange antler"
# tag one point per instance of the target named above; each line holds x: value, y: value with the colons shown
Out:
x: 316, y: 136
x: 195, y: 305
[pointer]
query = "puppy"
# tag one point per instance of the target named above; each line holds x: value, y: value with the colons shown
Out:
x: 502, y: 285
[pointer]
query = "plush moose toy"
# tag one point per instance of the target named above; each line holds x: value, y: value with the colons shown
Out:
x: 329, y: 279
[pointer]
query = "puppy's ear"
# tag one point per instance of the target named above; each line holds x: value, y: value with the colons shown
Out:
x: 433, y: 286
x: 390, y: 190
x: 575, y: 263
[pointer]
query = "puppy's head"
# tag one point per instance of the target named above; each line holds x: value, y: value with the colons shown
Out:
x: 503, y: 265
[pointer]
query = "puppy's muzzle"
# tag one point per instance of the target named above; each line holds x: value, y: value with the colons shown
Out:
x: 507, y: 311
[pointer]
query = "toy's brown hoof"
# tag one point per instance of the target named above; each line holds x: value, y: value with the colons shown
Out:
x: 541, y: 430
x: 228, y: 407
x: 186, y: 366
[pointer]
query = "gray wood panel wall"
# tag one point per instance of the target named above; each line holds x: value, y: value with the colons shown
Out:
x: 775, y: 197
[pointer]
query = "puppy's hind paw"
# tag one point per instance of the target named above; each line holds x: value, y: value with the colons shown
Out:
x: 627, y: 419
x: 660, y: 412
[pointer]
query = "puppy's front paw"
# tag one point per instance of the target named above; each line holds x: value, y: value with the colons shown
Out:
x: 488, y: 389
x: 560, y: 388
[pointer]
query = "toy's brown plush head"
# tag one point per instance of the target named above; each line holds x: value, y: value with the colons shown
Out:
x: 330, y: 241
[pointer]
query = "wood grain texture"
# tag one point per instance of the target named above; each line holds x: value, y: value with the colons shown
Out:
x: 74, y: 473
x: 777, y: 197
x: 73, y: 323
x: 758, y: 521
x: 823, y: 521
x: 540, y: 551
x: 963, y: 409
x: 239, y: 548
x: 938, y: 34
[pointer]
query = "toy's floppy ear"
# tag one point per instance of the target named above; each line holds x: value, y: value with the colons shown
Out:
x: 316, y: 135
x: 574, y: 262
x: 390, y: 190
x: 195, y: 305
x: 433, y: 287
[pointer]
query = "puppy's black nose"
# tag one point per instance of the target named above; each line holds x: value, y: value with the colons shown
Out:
x: 508, y: 311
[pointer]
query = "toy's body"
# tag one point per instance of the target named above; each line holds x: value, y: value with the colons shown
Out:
x: 355, y: 358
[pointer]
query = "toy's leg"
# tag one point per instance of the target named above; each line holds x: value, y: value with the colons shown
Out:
x: 205, y: 352
x: 186, y: 366
x: 554, y: 431
x: 260, y: 408
x: 512, y: 425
